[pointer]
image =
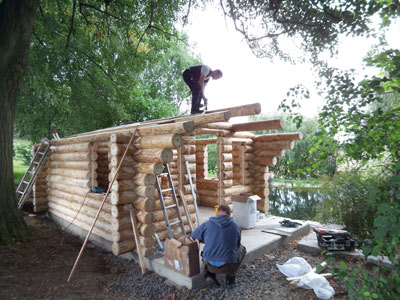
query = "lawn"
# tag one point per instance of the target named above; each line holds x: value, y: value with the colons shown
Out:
x: 19, y: 171
x: 22, y: 149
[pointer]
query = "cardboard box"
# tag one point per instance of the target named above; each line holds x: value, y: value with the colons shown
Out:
x: 245, y: 209
x: 182, y: 256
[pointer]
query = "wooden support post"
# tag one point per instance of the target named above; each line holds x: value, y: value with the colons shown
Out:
x: 219, y: 150
x: 242, y: 167
x: 137, y: 240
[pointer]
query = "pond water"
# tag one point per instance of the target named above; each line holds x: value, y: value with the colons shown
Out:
x: 295, y: 203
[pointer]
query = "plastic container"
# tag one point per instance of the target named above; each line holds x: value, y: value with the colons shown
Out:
x: 245, y: 210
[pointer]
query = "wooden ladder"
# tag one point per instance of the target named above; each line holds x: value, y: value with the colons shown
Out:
x: 175, y: 205
x: 26, y: 184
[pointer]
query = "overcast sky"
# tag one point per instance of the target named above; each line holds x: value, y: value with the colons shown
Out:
x: 248, y: 79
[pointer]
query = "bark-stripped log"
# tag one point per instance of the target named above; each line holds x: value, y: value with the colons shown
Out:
x: 153, y: 155
x: 259, y: 125
x: 158, y: 141
x: 97, y: 231
x: 151, y: 129
x: 78, y: 165
x: 279, y: 145
x: 75, y: 156
x: 279, y: 137
x: 265, y: 161
x: 128, y: 246
x: 71, y: 181
x: 94, y: 203
x: 82, y: 147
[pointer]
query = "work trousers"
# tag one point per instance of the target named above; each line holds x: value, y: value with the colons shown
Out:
x: 229, y: 268
x: 195, y: 89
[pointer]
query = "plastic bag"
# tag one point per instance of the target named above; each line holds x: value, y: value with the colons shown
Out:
x: 294, y: 267
x: 318, y: 283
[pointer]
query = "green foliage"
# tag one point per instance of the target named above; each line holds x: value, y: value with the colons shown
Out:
x: 19, y: 170
x: 318, y: 24
x: 351, y: 198
x: 212, y: 160
x: 301, y: 161
x: 23, y: 153
x: 382, y: 283
x: 93, y: 65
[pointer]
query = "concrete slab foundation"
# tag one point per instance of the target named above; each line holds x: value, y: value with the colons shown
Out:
x: 255, y: 240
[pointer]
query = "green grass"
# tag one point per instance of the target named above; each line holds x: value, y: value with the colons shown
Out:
x: 19, y: 171
x: 19, y: 166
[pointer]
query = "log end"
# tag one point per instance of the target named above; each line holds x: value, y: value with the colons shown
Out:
x: 158, y: 168
x: 167, y: 155
x: 176, y: 140
x: 189, y: 126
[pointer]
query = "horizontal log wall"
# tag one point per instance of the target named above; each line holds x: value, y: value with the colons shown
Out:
x: 70, y: 176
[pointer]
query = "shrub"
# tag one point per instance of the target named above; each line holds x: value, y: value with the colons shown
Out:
x: 352, y: 199
x: 23, y: 153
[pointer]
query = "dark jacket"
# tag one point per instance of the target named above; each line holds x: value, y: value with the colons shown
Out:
x: 221, y: 236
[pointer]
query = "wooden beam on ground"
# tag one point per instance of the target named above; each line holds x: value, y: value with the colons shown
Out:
x: 260, y: 125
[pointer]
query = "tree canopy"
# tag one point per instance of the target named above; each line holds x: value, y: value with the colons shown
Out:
x: 94, y: 65
x: 316, y: 25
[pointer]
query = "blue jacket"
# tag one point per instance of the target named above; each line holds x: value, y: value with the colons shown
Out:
x: 221, y: 236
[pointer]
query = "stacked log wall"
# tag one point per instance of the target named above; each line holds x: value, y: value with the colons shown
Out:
x: 103, y: 162
x: 225, y: 170
x: 133, y: 185
x: 70, y: 176
x: 267, y: 148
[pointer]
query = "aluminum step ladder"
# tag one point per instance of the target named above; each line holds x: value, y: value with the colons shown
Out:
x: 175, y: 205
x: 193, y: 193
x: 26, y: 184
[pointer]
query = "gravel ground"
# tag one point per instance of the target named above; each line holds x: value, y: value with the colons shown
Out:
x: 38, y: 268
x: 259, y: 279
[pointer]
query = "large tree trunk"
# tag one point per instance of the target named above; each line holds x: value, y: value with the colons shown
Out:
x: 16, y: 21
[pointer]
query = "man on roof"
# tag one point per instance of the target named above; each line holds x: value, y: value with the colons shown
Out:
x: 222, y: 251
x: 196, y: 78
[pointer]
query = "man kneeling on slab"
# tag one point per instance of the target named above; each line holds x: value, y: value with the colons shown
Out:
x: 222, y: 251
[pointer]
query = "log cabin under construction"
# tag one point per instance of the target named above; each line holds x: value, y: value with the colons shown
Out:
x: 78, y: 163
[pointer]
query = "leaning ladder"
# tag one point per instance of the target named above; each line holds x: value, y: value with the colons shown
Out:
x: 193, y: 193
x: 174, y: 205
x: 26, y: 184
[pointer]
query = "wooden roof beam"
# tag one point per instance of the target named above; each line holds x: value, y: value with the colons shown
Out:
x: 279, y: 137
x: 222, y: 132
x: 242, y: 110
x: 259, y: 125
x: 179, y: 127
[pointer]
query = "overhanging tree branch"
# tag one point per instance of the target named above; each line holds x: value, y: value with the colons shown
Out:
x: 71, y: 28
